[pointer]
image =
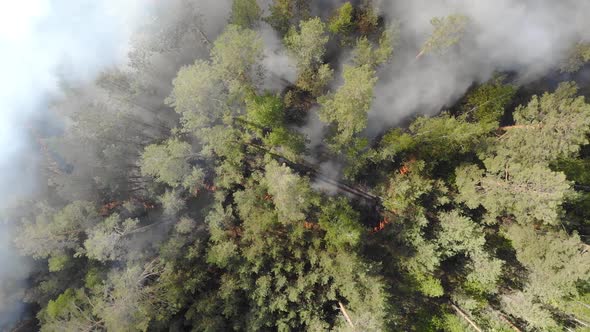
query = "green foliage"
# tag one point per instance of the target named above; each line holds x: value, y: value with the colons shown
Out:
x: 458, y: 234
x: 341, y: 224
x: 197, y: 94
x: 365, y: 53
x: 266, y: 116
x: 347, y: 108
x: 245, y: 13
x: 167, y: 162
x: 203, y: 92
x: 290, y: 193
x: 342, y: 21
x: 106, y: 241
x: 530, y: 194
x: 429, y: 285
x: 550, y: 126
x: 266, y: 111
x: 448, y: 31
x: 521, y: 305
x: 578, y: 56
x: 308, y: 46
x: 236, y: 56
x: 395, y: 142
x: 439, y: 138
x: 57, y: 234
x: 576, y: 170
x: 484, y: 272
x: 210, y: 218
x: 127, y: 300
x: 283, y: 13
x: 450, y: 323
x: 407, y: 192
x: 556, y: 262
x: 70, y: 311
x: 517, y: 179
x: 172, y: 202
x: 280, y: 266
x: 58, y: 262
x: 56, y: 308
x: 487, y: 102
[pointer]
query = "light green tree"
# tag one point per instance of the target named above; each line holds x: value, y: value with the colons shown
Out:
x: 347, y: 108
x: 198, y: 95
x: 266, y: 116
x: 549, y: 126
x: 236, y: 56
x: 172, y: 202
x: 130, y: 297
x: 556, y: 262
x: 290, y: 193
x: 70, y: 311
x: 435, y: 139
x: 517, y: 179
x: 448, y: 31
x: 284, y: 13
x: 56, y: 233
x: 366, y: 53
x: 341, y: 223
x: 523, y: 306
x: 169, y: 163
x: 308, y: 46
x: 107, y: 240
x: 578, y: 56
x: 487, y: 102
x: 245, y: 13
x: 530, y: 194
x: 459, y: 234
x: 342, y: 22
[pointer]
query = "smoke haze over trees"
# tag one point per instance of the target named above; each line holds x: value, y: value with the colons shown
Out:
x: 294, y: 165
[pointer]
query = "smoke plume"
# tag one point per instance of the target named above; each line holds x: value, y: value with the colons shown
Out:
x: 527, y: 37
x: 44, y: 43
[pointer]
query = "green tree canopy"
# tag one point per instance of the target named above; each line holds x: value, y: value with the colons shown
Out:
x: 245, y: 13
x: 342, y: 22
x: 578, y: 56
x: 347, y: 108
x: 448, y: 31
x: 167, y: 162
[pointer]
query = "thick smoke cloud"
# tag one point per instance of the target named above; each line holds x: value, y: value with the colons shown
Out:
x: 44, y: 43
x: 527, y: 37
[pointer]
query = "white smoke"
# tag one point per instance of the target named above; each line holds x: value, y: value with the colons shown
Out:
x: 525, y: 36
x: 42, y: 44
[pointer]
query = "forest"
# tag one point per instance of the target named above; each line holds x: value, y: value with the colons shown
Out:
x: 234, y: 175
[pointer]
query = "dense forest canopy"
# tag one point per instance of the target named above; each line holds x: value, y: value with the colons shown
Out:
x: 285, y: 169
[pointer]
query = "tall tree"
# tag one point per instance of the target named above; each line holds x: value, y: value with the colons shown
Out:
x: 342, y: 21
x: 308, y: 46
x: 245, y: 13
x: 57, y: 233
x: 517, y: 179
x: 284, y: 13
x: 169, y: 163
x: 578, y: 56
x: 347, y: 108
x: 448, y: 31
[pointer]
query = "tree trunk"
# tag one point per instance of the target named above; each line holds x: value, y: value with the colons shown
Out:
x: 464, y: 316
x: 343, y: 310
